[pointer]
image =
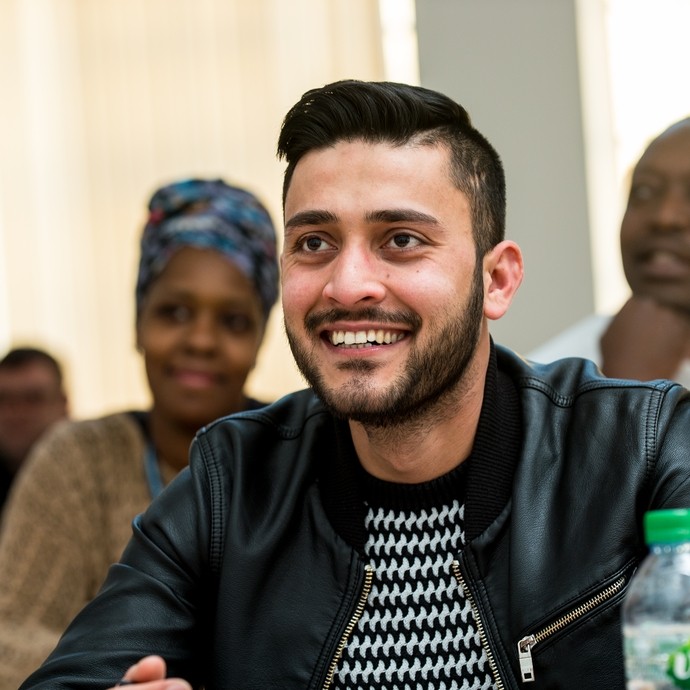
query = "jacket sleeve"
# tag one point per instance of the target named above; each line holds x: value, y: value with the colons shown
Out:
x: 151, y: 601
x: 669, y: 458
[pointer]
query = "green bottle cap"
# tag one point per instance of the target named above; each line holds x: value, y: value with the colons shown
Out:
x: 667, y: 526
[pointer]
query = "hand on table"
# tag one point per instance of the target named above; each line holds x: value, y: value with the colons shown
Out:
x: 149, y: 674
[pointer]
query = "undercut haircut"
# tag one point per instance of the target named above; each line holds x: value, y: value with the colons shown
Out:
x: 400, y: 114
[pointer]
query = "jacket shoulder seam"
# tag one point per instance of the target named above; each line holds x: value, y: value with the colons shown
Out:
x: 213, y: 474
x: 657, y: 388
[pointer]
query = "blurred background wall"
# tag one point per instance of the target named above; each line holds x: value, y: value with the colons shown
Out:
x: 102, y: 101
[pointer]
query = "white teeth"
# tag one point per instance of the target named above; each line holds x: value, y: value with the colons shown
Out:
x: 364, y: 338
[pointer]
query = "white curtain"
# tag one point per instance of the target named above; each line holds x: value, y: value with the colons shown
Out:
x: 102, y: 101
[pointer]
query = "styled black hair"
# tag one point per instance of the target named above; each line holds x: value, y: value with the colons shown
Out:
x: 394, y: 113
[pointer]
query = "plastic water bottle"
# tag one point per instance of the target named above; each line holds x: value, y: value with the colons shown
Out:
x: 656, y: 610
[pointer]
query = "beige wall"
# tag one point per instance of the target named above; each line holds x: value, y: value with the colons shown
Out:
x: 105, y: 100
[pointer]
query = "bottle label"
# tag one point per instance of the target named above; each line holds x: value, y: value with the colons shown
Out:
x: 657, y: 657
x: 678, y: 669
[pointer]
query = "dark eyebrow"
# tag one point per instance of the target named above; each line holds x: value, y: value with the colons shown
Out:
x: 398, y: 215
x: 649, y: 170
x: 315, y: 217
x: 395, y: 215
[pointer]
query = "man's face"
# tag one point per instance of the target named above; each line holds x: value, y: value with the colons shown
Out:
x: 382, y: 294
x: 655, y: 232
x: 31, y: 400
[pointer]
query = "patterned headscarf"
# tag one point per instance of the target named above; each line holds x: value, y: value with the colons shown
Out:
x: 213, y: 215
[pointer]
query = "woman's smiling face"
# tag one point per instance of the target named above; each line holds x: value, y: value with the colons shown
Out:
x: 200, y: 328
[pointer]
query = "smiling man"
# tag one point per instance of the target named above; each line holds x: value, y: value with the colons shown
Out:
x: 384, y: 295
x: 434, y: 511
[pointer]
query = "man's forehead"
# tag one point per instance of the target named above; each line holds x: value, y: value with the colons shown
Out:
x: 670, y: 151
x: 29, y: 375
x: 321, y: 175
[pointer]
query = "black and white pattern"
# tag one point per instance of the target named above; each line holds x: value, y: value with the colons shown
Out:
x: 417, y: 630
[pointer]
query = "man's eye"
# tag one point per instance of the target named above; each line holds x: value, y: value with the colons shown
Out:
x: 314, y: 244
x: 404, y: 241
x: 644, y: 192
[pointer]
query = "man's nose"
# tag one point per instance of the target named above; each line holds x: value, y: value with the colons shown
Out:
x: 673, y: 210
x: 356, y: 276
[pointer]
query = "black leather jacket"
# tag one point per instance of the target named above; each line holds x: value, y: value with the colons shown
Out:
x: 247, y: 571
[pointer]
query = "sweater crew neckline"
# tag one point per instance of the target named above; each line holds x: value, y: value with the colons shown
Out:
x: 379, y: 493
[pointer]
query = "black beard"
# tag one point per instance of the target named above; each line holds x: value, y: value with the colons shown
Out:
x: 428, y: 379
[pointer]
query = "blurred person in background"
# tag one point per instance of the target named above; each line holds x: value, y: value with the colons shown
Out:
x: 32, y: 399
x: 649, y: 338
x: 207, y: 281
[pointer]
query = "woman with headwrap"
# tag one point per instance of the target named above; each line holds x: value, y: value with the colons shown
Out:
x: 207, y: 280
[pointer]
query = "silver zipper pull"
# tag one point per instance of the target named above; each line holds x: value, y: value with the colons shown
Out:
x: 525, y: 656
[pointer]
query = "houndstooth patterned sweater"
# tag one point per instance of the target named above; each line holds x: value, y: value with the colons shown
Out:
x: 417, y: 630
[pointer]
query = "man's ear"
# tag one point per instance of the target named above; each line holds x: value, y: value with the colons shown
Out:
x: 503, y: 271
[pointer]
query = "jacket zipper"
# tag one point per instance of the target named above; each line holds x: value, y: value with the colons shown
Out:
x: 359, y: 610
x: 527, y: 643
x: 480, y: 625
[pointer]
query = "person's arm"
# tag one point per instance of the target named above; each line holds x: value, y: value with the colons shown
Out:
x: 669, y: 480
x: 645, y: 340
x: 46, y: 553
x: 154, y: 601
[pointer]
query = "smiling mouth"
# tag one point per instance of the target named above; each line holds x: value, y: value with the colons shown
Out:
x: 664, y: 261
x: 360, y: 339
x: 195, y: 379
